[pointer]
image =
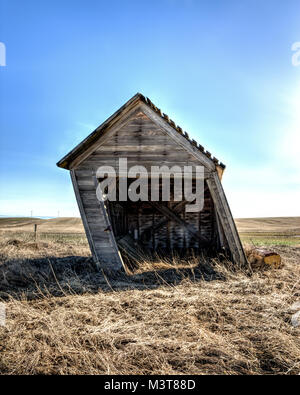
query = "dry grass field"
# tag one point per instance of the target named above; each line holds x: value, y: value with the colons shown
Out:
x: 64, y: 317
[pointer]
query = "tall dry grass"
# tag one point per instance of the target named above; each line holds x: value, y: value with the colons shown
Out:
x: 64, y: 317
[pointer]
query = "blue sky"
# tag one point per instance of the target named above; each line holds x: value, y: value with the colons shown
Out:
x: 221, y: 69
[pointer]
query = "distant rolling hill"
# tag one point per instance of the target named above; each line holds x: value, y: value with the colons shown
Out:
x: 74, y: 225
x: 269, y: 224
x: 54, y: 225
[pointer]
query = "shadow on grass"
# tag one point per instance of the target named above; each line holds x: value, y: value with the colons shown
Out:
x: 53, y: 276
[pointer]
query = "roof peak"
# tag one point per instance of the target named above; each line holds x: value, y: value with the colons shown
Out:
x: 146, y: 100
x: 66, y: 160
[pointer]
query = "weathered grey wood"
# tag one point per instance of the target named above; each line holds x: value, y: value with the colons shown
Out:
x: 139, y: 133
x: 102, y: 243
x: 138, y: 102
x: 174, y: 216
x: 85, y: 145
x: 176, y: 209
x: 116, y: 261
x: 226, y: 219
x: 178, y: 138
x: 83, y: 216
x: 138, y: 147
x: 220, y: 231
x: 104, y: 136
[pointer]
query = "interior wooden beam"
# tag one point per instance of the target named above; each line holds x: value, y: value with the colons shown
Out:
x: 176, y: 209
x: 173, y: 216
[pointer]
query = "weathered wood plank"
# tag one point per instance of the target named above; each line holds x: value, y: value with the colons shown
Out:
x: 83, y: 216
x: 116, y: 258
x: 94, y: 216
x: 226, y: 219
x: 153, y: 227
x: 120, y: 121
x: 140, y: 148
x: 178, y: 138
x: 174, y: 216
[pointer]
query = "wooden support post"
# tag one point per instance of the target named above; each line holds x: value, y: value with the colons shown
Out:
x: 226, y: 219
x: 115, y: 254
x: 83, y: 216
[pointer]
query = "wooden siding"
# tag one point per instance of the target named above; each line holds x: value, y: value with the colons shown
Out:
x: 101, y: 239
x: 226, y: 220
x: 146, y: 141
x: 143, y: 143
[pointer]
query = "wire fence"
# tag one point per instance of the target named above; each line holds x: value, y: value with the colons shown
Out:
x: 36, y: 236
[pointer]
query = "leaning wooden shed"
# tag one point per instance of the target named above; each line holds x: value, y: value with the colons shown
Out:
x: 145, y: 136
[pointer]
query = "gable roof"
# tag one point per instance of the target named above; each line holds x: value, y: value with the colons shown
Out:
x: 66, y: 161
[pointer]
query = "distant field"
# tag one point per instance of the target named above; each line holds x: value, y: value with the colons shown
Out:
x: 55, y: 225
x: 289, y: 225
x: 270, y: 231
x: 258, y: 231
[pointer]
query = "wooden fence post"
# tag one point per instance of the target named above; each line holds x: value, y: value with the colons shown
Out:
x: 35, y: 232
